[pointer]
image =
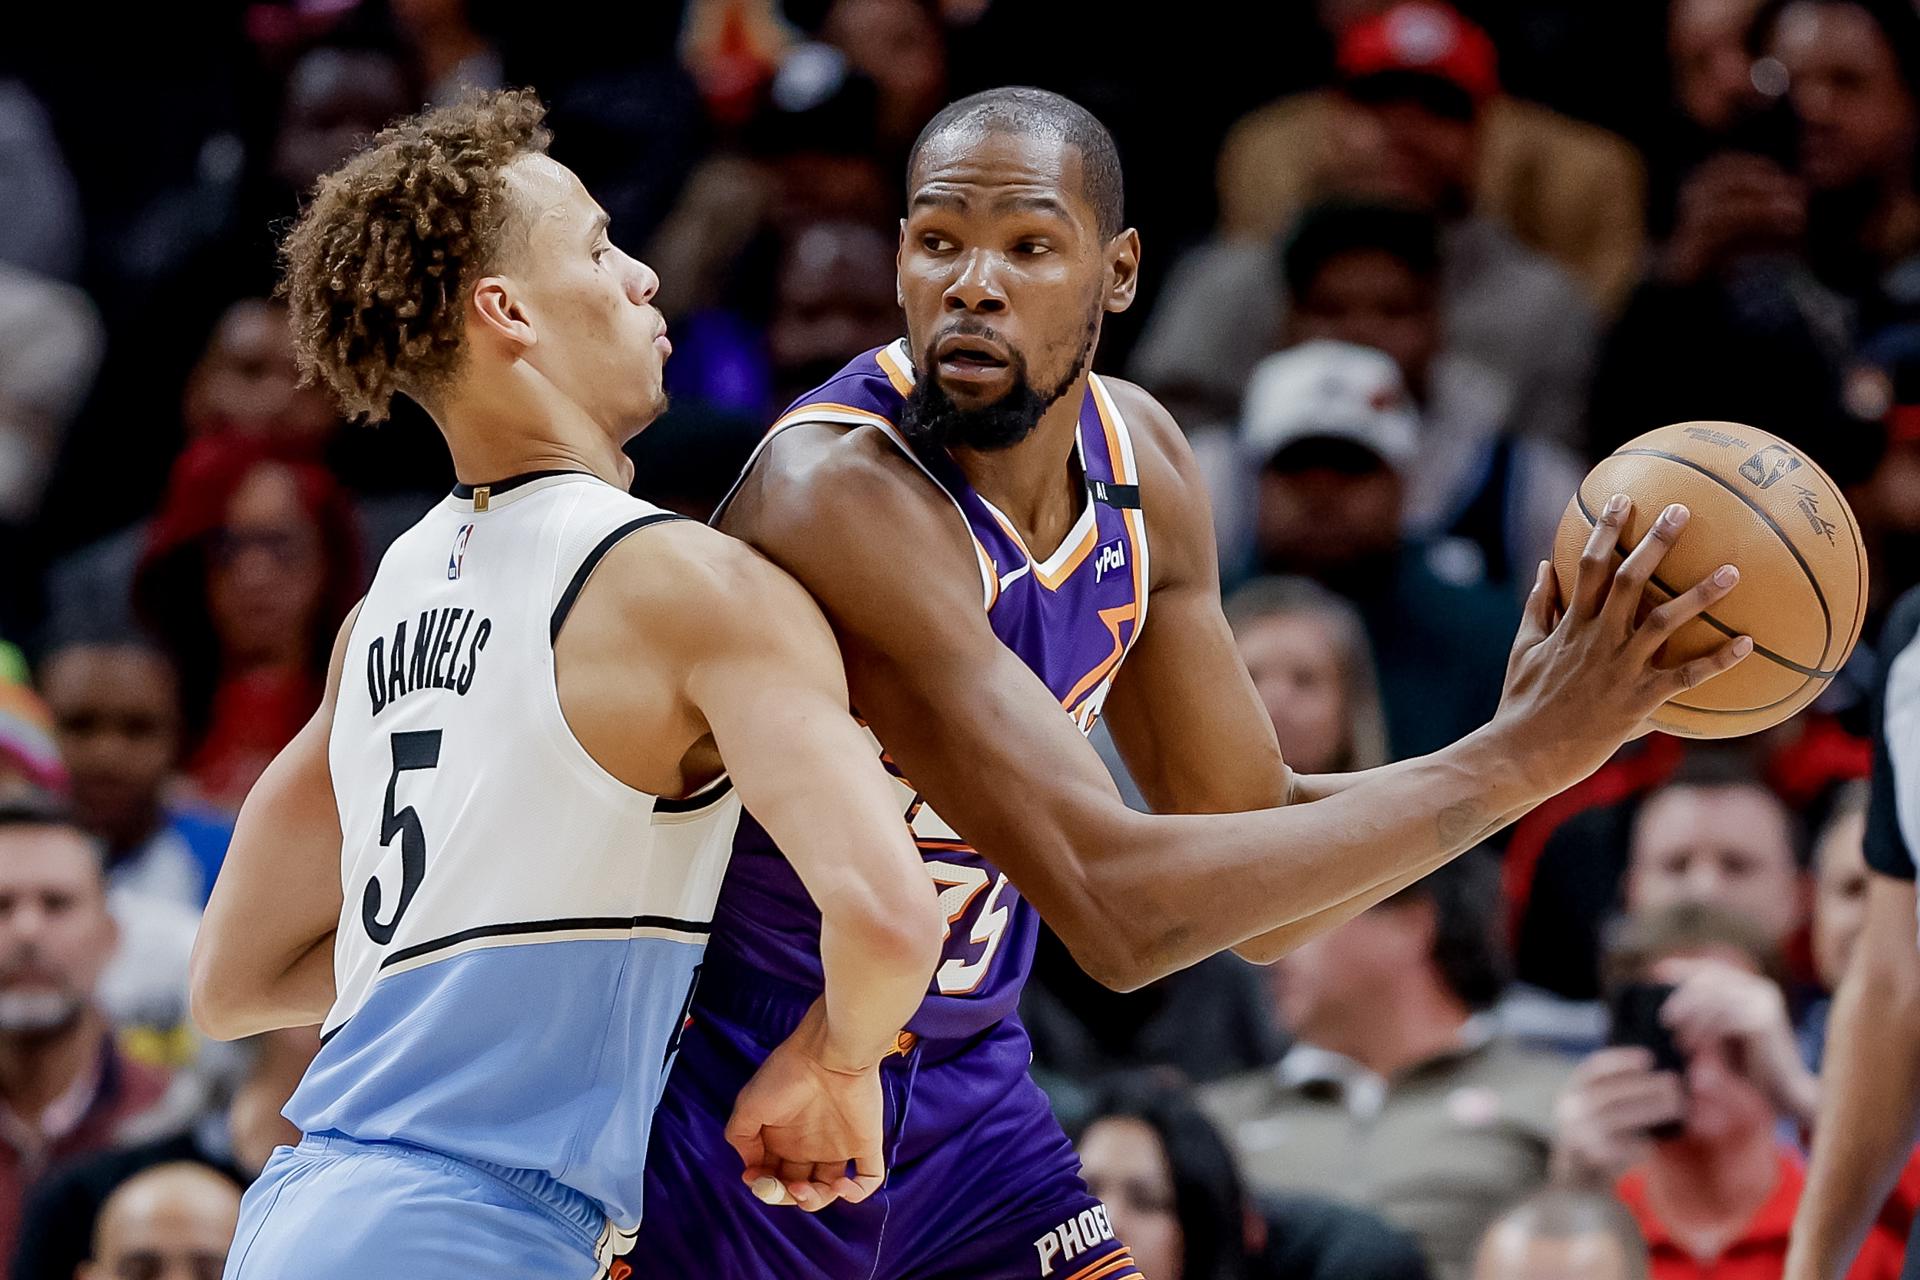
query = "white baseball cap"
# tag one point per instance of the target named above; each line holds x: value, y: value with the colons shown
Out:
x: 1327, y: 390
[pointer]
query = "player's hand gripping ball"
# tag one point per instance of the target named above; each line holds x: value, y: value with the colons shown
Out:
x: 1765, y: 507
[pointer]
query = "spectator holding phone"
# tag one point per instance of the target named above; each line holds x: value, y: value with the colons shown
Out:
x: 1683, y: 1113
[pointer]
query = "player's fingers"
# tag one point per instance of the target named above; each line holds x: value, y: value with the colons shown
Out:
x: 767, y: 1190
x: 812, y: 1196
x: 1691, y: 675
x: 1536, y: 618
x: 747, y: 1140
x: 854, y: 1190
x: 1591, y: 579
x: 1630, y: 580
x: 1668, y: 618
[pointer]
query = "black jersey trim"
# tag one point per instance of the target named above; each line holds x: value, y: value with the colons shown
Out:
x: 1119, y: 496
x: 699, y: 800
x: 588, y: 565
x: 497, y: 487
x: 524, y: 928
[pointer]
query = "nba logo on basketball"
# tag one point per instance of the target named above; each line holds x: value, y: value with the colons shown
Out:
x: 455, y: 560
x: 1768, y: 465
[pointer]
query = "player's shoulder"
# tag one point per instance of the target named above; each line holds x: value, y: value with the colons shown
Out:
x: 1173, y: 489
x: 684, y: 568
x: 1160, y: 447
x: 834, y: 489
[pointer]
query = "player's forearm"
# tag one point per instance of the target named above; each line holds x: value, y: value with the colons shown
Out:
x: 1869, y: 1115
x: 1270, y: 946
x: 230, y: 1004
x: 263, y: 955
x: 878, y: 946
x: 1186, y: 887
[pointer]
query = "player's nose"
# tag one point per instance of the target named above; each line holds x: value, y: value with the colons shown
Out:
x: 642, y: 283
x: 975, y: 288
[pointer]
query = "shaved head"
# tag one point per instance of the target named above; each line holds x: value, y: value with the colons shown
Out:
x: 172, y: 1215
x: 1038, y: 113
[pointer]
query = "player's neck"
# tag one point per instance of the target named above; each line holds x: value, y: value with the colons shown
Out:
x: 507, y: 427
x: 1037, y: 483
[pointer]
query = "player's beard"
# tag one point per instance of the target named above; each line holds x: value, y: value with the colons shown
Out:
x: 931, y: 420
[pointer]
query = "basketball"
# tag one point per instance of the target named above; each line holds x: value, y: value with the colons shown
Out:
x: 1765, y: 507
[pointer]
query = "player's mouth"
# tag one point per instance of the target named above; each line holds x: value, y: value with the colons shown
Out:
x: 967, y: 357
x: 662, y: 344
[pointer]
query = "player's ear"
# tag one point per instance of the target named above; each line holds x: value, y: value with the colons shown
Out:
x: 1123, y: 269
x: 498, y: 311
x: 899, y: 251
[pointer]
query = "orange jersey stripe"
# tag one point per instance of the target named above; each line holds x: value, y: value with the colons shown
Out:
x: 1053, y: 580
x: 806, y: 411
x: 1107, y: 1264
x: 1104, y: 407
x: 1113, y: 618
x: 884, y: 357
x: 1133, y: 519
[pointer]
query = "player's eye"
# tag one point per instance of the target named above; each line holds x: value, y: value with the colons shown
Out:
x: 936, y: 244
x: 1032, y: 248
x: 602, y: 252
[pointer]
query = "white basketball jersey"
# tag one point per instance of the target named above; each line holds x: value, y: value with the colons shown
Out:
x: 521, y: 931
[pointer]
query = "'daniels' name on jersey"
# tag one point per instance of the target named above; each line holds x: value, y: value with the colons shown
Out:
x: 441, y: 650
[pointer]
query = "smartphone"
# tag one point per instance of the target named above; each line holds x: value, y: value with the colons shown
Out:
x: 1635, y: 1010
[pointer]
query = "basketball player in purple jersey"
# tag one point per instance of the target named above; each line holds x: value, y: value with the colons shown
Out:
x: 993, y: 531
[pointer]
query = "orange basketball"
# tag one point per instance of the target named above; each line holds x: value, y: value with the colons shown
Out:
x: 1762, y: 505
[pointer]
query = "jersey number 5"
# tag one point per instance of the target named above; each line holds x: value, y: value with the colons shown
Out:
x: 419, y: 749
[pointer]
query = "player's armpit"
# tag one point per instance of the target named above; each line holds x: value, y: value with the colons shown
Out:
x: 262, y: 958
x: 1183, y: 710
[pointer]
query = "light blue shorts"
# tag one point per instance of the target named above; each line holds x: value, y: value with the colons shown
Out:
x: 333, y: 1208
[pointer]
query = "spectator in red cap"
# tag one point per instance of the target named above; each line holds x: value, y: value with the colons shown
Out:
x: 249, y: 569
x: 1567, y: 188
x: 1416, y: 83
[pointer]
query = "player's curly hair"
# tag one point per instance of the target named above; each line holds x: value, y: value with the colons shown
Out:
x: 376, y: 268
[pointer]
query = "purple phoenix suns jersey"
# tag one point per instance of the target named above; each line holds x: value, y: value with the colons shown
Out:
x: 1071, y: 617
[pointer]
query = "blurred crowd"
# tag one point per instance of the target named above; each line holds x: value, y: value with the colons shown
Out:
x: 1409, y: 270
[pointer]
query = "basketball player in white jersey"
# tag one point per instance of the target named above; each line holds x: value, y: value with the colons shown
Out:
x: 488, y: 865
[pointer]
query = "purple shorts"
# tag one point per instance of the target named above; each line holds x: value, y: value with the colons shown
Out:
x: 982, y: 1184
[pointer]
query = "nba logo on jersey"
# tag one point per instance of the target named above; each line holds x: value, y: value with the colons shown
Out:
x: 459, y: 555
x: 1113, y: 555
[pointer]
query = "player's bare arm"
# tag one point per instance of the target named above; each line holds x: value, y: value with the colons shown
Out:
x: 263, y: 958
x: 1137, y: 896
x: 1870, y: 1102
x: 691, y: 628
x: 1183, y: 710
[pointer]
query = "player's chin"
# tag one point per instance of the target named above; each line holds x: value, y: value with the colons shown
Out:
x: 975, y: 389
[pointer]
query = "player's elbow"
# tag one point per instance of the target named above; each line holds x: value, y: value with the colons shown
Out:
x: 896, y: 926
x: 213, y: 998
x: 1112, y: 944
